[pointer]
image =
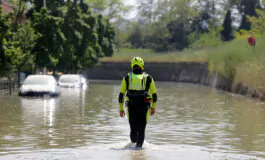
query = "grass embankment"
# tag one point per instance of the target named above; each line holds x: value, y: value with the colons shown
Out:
x: 149, y: 56
x: 235, y: 59
x: 243, y: 62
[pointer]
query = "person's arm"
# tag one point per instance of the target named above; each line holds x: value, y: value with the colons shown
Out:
x: 121, y: 96
x: 154, y: 96
x: 153, y: 93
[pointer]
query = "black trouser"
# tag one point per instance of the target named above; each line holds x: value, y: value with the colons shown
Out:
x: 137, y: 120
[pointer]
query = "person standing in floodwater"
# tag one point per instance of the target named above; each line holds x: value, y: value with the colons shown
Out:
x: 141, y: 98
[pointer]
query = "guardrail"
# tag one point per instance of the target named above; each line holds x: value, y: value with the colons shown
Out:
x: 7, y: 86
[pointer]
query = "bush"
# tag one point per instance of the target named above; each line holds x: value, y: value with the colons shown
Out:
x: 209, y: 39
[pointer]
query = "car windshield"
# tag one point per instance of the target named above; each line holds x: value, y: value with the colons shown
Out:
x: 37, y: 80
x: 69, y: 79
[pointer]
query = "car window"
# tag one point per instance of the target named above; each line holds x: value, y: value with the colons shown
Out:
x: 38, y: 80
x: 69, y: 78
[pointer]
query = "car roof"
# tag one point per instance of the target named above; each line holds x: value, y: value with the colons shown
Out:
x: 71, y: 75
x: 41, y: 76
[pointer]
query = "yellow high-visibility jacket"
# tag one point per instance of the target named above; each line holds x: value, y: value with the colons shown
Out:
x: 138, y: 83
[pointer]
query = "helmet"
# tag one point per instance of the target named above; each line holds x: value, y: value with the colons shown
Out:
x: 137, y: 61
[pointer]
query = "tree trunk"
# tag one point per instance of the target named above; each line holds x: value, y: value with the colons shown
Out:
x: 10, y: 85
x: 18, y: 78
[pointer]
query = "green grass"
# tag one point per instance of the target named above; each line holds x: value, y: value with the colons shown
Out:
x: 247, y: 63
x: 234, y: 59
x: 149, y: 56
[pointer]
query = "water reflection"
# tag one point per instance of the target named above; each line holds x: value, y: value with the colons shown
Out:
x: 137, y: 154
x: 74, y: 101
x: 54, y: 122
x: 39, y: 117
x: 39, y: 111
x: 10, y: 122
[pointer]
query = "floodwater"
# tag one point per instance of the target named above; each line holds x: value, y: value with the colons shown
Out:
x: 192, y: 122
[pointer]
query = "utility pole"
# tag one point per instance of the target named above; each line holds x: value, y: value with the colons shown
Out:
x: 44, y: 3
x: 44, y: 70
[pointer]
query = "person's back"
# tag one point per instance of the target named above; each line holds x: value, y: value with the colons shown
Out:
x: 141, y: 98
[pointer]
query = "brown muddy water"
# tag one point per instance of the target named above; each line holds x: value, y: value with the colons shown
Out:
x: 191, y: 123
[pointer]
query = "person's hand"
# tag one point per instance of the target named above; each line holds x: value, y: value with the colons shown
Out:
x: 152, y: 111
x: 122, y: 113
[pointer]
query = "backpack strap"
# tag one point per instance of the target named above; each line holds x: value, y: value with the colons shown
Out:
x: 148, y: 83
x: 127, y: 81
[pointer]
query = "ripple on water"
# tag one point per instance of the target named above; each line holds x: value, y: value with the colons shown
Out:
x: 127, y: 151
x: 191, y: 122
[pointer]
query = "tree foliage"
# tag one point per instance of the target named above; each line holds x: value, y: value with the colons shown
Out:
x: 64, y: 35
x: 227, y: 32
x: 247, y: 8
x: 177, y: 24
x: 258, y: 23
x: 15, y: 46
x: 49, y: 45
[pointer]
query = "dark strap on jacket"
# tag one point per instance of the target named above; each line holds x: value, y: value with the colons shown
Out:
x: 148, y: 82
x: 127, y: 81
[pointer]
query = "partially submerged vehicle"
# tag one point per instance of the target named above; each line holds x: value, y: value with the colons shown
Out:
x: 72, y: 81
x: 39, y: 85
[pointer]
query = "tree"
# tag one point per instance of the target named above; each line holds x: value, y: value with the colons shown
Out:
x: 136, y: 37
x: 166, y: 23
x: 227, y: 32
x: 108, y: 38
x: 27, y: 38
x: 159, y: 39
x: 64, y: 34
x: 207, y: 39
x: 17, y: 42
x: 49, y: 46
x: 247, y: 8
x: 258, y: 23
x: 88, y: 38
x: 4, y: 29
x: 179, y: 23
x: 146, y: 10
x: 10, y: 53
x: 114, y: 11
x: 97, y: 6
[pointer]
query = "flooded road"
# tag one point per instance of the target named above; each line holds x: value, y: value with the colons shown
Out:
x: 191, y: 123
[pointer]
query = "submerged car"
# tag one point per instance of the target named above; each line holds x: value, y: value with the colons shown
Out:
x: 72, y: 81
x: 39, y: 85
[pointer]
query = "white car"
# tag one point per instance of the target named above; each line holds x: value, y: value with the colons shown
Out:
x: 39, y: 85
x: 72, y: 81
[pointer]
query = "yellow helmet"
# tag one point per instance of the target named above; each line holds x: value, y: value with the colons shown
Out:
x: 137, y: 61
